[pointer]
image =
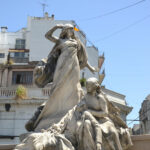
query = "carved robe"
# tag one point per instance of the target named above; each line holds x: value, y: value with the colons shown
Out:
x: 67, y: 59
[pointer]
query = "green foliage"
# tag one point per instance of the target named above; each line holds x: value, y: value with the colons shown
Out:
x: 10, y: 62
x: 83, y: 82
x: 21, y: 92
x: 6, y: 64
x: 2, y: 66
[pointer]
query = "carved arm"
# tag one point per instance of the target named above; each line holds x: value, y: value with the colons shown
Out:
x: 98, y: 114
x: 49, y: 35
x: 91, y: 68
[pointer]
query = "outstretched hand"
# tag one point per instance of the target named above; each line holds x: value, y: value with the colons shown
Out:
x: 91, y: 68
x: 64, y: 26
x: 68, y: 26
x: 60, y: 26
x: 94, y: 69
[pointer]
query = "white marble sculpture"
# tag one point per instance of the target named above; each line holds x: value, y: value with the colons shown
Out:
x: 70, y: 120
x: 89, y: 125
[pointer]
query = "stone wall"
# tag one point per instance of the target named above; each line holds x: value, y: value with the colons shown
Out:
x: 144, y: 114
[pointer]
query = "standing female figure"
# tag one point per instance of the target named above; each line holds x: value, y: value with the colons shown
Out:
x: 62, y: 69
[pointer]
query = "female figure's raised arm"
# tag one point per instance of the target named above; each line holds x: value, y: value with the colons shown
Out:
x: 49, y: 35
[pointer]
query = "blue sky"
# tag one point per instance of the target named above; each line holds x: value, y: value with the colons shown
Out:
x: 127, y: 53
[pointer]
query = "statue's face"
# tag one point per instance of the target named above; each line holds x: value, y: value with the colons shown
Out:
x: 70, y: 33
x: 91, y: 87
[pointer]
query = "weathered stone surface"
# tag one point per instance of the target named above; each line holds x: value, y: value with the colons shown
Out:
x: 88, y: 125
x: 63, y: 69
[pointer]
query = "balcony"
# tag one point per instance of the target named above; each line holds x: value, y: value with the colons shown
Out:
x: 32, y: 93
x: 19, y: 55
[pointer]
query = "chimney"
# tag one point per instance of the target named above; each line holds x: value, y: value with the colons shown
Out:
x: 4, y: 29
x: 46, y: 15
x: 52, y: 16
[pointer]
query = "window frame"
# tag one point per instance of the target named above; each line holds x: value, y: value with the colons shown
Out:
x: 20, y: 43
x: 2, y: 55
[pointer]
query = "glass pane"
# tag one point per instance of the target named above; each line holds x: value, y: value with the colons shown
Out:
x: 20, y: 43
x: 22, y: 77
x: 17, y: 42
x: 22, y: 54
x: 16, y: 54
x: 2, y: 55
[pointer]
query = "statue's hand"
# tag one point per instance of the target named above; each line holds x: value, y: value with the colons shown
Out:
x: 91, y: 68
x: 60, y: 26
x: 94, y: 69
x: 68, y: 26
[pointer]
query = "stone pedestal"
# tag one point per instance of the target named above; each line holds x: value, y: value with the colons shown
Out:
x: 141, y: 142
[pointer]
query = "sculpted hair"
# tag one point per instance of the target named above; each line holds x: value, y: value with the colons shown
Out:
x: 64, y: 33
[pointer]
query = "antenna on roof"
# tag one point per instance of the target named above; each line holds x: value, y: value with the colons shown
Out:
x: 44, y: 5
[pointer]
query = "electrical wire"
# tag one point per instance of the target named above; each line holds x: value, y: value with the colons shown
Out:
x: 114, y: 11
x: 138, y: 116
x: 123, y: 29
x: 84, y: 34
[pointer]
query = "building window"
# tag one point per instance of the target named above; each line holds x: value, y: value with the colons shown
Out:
x: 20, y: 43
x: 19, y: 57
x: 2, y: 55
x: 22, y: 77
x: 19, y: 54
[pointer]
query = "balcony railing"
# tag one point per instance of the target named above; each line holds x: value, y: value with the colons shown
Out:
x: 32, y: 92
x: 5, y: 92
x: 46, y: 91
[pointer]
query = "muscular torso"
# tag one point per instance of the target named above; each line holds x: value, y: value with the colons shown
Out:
x: 97, y: 103
x: 92, y: 102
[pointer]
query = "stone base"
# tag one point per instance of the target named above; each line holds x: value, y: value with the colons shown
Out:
x: 141, y: 142
x: 7, y: 147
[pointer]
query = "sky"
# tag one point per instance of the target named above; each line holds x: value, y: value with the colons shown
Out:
x: 123, y: 35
